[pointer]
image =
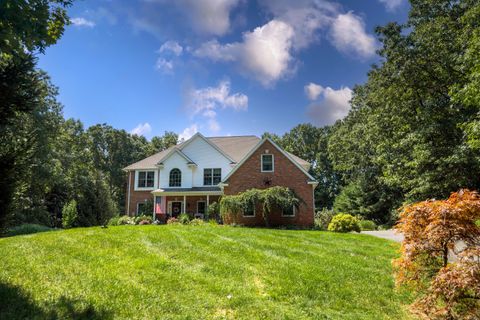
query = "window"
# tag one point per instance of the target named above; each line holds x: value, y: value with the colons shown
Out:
x: 146, y: 179
x: 249, y: 211
x: 290, y: 212
x: 212, y: 177
x: 141, y: 208
x: 175, y: 178
x: 267, y: 162
x: 201, y: 207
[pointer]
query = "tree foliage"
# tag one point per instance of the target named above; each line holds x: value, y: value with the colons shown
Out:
x: 269, y: 199
x: 433, y: 229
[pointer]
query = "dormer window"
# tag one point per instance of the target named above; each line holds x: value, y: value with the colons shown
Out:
x: 146, y: 179
x: 175, y: 178
x: 267, y: 163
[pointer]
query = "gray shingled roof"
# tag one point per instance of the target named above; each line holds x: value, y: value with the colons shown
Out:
x: 236, y: 147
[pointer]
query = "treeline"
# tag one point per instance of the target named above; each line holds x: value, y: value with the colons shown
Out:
x: 413, y: 132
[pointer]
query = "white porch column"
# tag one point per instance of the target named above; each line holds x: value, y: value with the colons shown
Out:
x: 208, y: 201
x: 184, y: 204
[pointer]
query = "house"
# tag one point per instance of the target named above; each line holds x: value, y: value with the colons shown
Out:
x: 195, y: 173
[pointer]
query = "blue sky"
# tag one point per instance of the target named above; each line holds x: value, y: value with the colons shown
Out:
x: 228, y: 67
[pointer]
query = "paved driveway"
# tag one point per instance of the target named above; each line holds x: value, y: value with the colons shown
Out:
x: 386, y: 234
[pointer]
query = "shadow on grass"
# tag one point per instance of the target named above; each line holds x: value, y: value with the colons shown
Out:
x: 16, y: 304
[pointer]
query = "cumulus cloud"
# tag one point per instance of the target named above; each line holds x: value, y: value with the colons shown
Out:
x: 202, y: 17
x: 313, y: 90
x: 306, y: 17
x: 142, y: 129
x: 82, y: 22
x: 209, y: 16
x: 188, y: 132
x: 332, y: 105
x: 391, y: 5
x: 165, y: 66
x: 264, y: 53
x: 207, y: 101
x: 348, y: 35
x: 171, y: 47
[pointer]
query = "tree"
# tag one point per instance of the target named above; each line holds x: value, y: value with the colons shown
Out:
x: 160, y: 143
x: 25, y: 28
x: 69, y: 214
x: 432, y: 229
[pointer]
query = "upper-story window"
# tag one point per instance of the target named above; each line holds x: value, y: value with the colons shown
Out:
x: 146, y: 179
x: 212, y: 177
x: 175, y: 178
x: 267, y: 163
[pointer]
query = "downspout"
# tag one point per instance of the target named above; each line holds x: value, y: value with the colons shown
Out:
x: 129, y: 182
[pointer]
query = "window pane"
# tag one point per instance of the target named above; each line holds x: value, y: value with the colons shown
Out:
x: 175, y: 178
x: 217, y: 176
x: 267, y: 162
x: 150, y: 179
x: 289, y: 212
x: 141, y: 209
x: 141, y: 179
x: 207, y: 177
x: 249, y: 211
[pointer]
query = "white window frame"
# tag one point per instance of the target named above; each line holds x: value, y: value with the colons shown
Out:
x: 211, y: 176
x: 261, y: 162
x: 155, y: 180
x: 252, y: 216
x: 290, y: 216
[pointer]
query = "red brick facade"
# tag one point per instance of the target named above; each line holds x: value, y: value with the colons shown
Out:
x: 135, y: 196
x: 286, y: 174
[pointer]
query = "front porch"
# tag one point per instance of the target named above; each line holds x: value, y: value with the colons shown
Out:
x: 171, y: 202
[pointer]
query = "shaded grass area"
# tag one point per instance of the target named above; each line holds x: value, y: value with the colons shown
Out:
x: 27, y: 228
x: 198, y: 272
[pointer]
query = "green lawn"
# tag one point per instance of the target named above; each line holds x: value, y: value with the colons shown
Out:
x: 197, y: 272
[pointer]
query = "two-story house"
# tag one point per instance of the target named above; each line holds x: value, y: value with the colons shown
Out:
x: 191, y: 175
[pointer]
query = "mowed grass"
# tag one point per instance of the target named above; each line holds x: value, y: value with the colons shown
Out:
x: 197, y: 272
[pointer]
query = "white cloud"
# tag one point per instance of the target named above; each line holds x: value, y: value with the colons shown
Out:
x: 209, y: 16
x: 142, y: 129
x: 207, y: 101
x: 82, y: 22
x: 348, y: 35
x: 391, y: 5
x: 306, y: 17
x: 264, y: 53
x: 334, y: 105
x: 164, y: 65
x: 187, y: 133
x: 313, y: 90
x: 171, y: 46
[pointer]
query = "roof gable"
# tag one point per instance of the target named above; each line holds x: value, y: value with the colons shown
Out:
x: 198, y: 135
x: 259, y: 144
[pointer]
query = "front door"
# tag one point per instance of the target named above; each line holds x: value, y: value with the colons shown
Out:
x: 176, y: 208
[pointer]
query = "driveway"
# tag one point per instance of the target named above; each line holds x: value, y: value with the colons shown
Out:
x: 386, y: 234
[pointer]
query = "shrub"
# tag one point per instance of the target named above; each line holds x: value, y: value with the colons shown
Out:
x: 323, y: 218
x: 27, y: 228
x: 432, y: 228
x: 173, y: 220
x: 143, y: 220
x: 344, y: 222
x: 69, y: 214
x: 367, y: 225
x: 213, y: 222
x: 196, y: 222
x: 113, y: 221
x: 213, y: 210
x: 123, y: 220
x: 184, y: 218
